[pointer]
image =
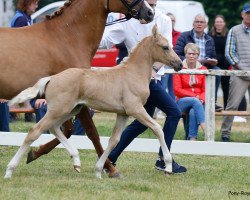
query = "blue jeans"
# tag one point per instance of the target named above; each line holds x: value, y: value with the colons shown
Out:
x: 40, y: 112
x: 167, y: 83
x: 196, y: 113
x: 4, y: 117
x: 158, y: 98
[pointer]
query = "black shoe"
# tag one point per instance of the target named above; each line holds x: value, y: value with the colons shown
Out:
x: 176, y: 168
x: 218, y: 108
x: 225, y: 139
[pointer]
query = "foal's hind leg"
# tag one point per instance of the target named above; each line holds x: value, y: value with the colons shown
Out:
x: 142, y: 116
x: 71, y: 149
x: 114, y: 139
x: 33, y: 135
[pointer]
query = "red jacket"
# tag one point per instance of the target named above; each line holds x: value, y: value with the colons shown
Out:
x: 183, y: 89
x: 175, y: 35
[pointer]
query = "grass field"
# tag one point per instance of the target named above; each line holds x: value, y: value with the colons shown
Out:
x: 53, y: 177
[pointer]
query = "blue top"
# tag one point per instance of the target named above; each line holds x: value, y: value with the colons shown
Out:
x: 21, y: 19
x: 187, y: 37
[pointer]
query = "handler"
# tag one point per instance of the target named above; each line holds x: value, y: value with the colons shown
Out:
x: 131, y: 33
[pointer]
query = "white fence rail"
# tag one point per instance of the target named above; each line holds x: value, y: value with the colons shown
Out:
x: 141, y: 145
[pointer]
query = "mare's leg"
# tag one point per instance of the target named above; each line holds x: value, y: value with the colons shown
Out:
x: 46, y: 148
x: 142, y: 116
x: 33, y: 135
x: 93, y: 135
x: 114, y: 139
x: 72, y: 150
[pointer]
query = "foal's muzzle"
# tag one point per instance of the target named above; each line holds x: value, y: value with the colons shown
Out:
x: 177, y: 65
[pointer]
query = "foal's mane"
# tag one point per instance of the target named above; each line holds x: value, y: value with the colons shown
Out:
x: 60, y: 11
x: 141, y: 43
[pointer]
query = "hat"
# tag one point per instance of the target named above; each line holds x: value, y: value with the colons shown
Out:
x: 246, y: 8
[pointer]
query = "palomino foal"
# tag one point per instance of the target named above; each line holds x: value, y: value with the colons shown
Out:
x: 123, y: 90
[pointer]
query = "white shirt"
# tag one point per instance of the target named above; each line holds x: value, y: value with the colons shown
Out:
x: 132, y: 31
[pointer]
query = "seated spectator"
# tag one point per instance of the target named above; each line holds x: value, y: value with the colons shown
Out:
x: 40, y: 106
x: 205, y: 42
x: 123, y: 52
x: 4, y: 116
x: 190, y: 91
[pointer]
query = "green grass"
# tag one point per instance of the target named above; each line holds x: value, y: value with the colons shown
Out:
x: 53, y: 177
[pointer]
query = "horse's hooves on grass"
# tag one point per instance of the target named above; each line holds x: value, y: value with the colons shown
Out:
x: 116, y: 175
x: 77, y: 168
x: 31, y: 156
x: 168, y: 173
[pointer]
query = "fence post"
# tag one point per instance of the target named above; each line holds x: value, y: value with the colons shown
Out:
x: 210, y: 108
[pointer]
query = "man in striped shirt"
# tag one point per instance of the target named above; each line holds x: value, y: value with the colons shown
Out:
x: 237, y: 53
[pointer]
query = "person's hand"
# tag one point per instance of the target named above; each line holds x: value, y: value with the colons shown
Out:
x: 212, y: 61
x: 39, y: 103
x: 236, y: 66
x: 209, y: 61
x: 3, y: 100
x: 153, y: 76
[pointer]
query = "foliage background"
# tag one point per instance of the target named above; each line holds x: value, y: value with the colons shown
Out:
x: 229, y: 8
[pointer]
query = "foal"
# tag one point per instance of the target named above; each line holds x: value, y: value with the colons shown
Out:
x: 123, y: 90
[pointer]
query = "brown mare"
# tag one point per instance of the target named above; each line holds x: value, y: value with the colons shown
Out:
x: 67, y: 39
x: 66, y: 96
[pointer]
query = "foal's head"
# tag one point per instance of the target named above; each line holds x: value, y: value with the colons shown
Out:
x: 163, y: 52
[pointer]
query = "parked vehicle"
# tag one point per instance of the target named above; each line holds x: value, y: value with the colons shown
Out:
x: 184, y: 12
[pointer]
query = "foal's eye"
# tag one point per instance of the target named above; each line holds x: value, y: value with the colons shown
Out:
x: 165, y: 48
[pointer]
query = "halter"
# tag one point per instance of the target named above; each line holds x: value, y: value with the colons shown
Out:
x: 132, y: 12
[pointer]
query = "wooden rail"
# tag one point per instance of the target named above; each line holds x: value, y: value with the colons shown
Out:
x: 232, y: 113
x: 22, y: 110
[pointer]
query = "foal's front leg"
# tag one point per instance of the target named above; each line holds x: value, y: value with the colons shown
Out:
x: 71, y: 149
x: 142, y: 116
x: 114, y: 139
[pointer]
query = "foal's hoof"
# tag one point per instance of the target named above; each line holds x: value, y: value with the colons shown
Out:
x: 117, y: 175
x: 31, y: 156
x: 77, y: 168
x: 168, y: 173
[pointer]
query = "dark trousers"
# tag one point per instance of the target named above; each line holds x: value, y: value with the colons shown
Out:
x: 158, y: 98
x: 4, y: 117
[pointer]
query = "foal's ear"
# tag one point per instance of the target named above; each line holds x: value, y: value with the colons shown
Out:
x: 155, y: 31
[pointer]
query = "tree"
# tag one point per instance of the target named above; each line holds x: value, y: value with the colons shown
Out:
x: 231, y: 9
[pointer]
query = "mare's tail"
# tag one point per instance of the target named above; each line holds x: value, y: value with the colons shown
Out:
x: 31, y: 92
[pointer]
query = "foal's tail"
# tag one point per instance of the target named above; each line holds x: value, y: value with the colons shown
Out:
x: 31, y: 92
